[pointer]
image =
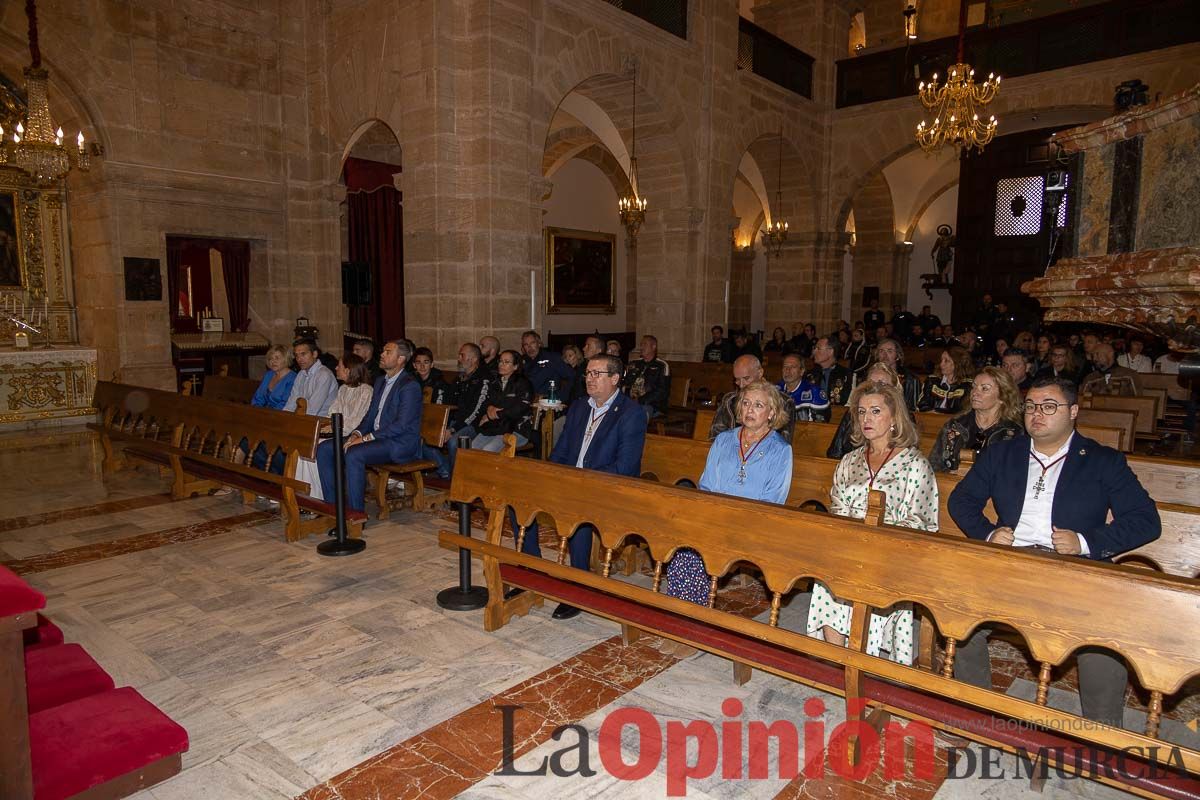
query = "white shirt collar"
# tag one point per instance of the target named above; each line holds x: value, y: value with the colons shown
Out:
x: 1062, y: 451
x: 607, y: 403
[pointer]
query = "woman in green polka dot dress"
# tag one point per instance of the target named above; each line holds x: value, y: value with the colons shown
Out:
x: 887, y: 459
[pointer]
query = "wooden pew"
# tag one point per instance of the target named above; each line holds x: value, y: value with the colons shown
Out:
x: 233, y: 390
x: 433, y: 421
x: 197, y: 439
x: 1168, y: 480
x: 1171, y: 384
x: 1151, y: 618
x: 1146, y: 409
x: 1123, y: 420
x: 671, y: 459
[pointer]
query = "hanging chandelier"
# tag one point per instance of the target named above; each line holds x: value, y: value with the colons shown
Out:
x: 35, y: 145
x: 774, y: 234
x: 956, y: 104
x: 632, y: 208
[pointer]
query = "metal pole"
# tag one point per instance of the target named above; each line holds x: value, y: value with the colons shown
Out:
x: 464, y: 596
x: 341, y: 546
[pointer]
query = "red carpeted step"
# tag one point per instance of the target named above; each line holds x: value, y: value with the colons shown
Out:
x: 17, y: 596
x: 46, y: 634
x: 60, y: 674
x: 88, y: 742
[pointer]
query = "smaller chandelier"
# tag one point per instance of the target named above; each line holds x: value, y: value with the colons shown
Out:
x: 956, y: 120
x: 776, y: 231
x: 632, y: 208
x: 35, y: 146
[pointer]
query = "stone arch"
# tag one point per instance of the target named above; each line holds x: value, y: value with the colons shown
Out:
x: 600, y: 69
x: 761, y: 132
x: 374, y: 139
x: 875, y: 251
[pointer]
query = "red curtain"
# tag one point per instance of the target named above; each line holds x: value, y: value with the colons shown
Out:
x: 235, y: 266
x: 376, y: 223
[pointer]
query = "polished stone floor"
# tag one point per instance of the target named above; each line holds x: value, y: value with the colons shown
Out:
x: 297, y: 675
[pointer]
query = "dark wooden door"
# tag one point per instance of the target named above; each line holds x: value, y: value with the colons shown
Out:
x: 1004, y: 225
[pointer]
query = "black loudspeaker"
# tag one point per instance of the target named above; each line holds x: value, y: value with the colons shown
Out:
x: 356, y: 283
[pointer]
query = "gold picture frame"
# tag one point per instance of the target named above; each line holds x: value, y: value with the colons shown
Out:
x: 13, y: 273
x: 580, y: 272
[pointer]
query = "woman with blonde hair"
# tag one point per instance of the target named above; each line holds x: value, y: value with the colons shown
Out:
x: 886, y: 459
x: 753, y: 461
x: 842, y: 440
x: 276, y: 384
x: 997, y: 414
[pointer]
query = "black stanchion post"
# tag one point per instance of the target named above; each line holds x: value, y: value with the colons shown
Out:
x: 341, y: 546
x: 463, y: 597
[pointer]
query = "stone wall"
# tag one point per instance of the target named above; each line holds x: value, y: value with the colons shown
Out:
x: 231, y: 119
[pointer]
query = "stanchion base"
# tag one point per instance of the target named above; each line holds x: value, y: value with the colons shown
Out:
x: 457, y: 599
x: 347, y: 548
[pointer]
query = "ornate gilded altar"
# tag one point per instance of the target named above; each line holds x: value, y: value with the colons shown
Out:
x: 39, y: 386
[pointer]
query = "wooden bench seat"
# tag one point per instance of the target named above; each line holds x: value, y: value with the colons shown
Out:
x: 197, y: 439
x: 1145, y: 408
x: 433, y: 421
x: 1151, y: 619
x: 233, y: 390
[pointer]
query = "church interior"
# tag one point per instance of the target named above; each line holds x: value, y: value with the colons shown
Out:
x: 207, y: 207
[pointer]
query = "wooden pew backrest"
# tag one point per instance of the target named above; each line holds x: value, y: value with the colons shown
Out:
x: 1145, y: 408
x: 1123, y: 420
x: 233, y: 390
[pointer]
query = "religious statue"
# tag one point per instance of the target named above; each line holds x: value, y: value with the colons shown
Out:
x: 943, y: 251
x: 943, y: 256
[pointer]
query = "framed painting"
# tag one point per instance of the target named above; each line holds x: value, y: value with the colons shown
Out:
x: 143, y: 279
x: 12, y: 267
x: 580, y: 275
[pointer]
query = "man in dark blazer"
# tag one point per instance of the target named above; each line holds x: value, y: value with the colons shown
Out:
x: 389, y: 433
x: 1053, y: 490
x: 604, y: 431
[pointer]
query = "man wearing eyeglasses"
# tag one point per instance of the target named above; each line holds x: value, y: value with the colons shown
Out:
x: 605, y: 432
x: 1053, y: 490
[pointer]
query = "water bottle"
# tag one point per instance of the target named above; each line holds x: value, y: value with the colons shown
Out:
x: 552, y: 396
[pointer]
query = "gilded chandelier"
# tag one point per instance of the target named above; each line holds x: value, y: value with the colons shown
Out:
x: 775, y: 232
x: 632, y: 208
x: 35, y: 145
x: 957, y: 103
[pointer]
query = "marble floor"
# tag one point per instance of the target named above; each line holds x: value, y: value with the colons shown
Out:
x: 298, y: 676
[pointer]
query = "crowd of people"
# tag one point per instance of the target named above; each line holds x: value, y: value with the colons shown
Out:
x: 1007, y: 395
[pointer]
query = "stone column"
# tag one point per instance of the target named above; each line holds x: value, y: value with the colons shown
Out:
x: 804, y: 281
x: 901, y: 258
x: 741, y: 278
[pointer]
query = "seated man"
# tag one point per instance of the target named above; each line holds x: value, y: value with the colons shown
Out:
x: 835, y: 380
x: 593, y: 345
x: 469, y: 400
x: 390, y: 433
x: 746, y: 370
x: 1016, y: 364
x: 365, y: 349
x: 1107, y: 377
x: 604, y: 431
x: 719, y: 349
x: 1053, y: 490
x: 489, y: 346
x: 806, y: 399
x: 648, y: 379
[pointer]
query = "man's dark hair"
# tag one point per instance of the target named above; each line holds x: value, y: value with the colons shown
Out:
x: 599, y: 339
x: 534, y: 334
x: 308, y: 342
x: 423, y: 351
x: 717, y: 328
x: 368, y: 343
x: 651, y: 338
x: 612, y: 364
x: 1016, y: 351
x: 404, y: 347
x: 1068, y: 388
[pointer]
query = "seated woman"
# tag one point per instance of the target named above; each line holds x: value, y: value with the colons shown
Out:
x: 272, y: 392
x: 753, y: 461
x: 842, y: 439
x: 778, y: 343
x: 886, y: 459
x: 508, y: 408
x: 352, y: 401
x: 276, y: 385
x: 996, y: 415
x: 945, y: 394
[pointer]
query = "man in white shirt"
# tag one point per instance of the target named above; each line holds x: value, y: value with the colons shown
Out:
x: 1135, y: 359
x: 1053, y: 490
x: 314, y: 382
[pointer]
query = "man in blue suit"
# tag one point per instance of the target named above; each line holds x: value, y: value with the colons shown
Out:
x: 604, y: 431
x: 1053, y: 490
x: 390, y: 433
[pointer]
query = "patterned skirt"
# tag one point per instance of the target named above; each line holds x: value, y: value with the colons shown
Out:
x: 686, y: 577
